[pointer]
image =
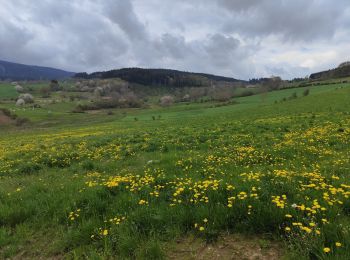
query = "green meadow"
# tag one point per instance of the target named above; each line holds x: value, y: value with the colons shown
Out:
x: 160, y: 183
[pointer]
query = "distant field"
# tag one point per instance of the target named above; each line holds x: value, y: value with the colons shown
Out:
x: 267, y: 172
x: 51, y: 113
x: 7, y: 91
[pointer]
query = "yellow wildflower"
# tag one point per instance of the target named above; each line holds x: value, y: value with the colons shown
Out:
x: 326, y: 249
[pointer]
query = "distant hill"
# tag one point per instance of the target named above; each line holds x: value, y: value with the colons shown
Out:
x: 16, y: 71
x: 165, y: 77
x: 343, y: 70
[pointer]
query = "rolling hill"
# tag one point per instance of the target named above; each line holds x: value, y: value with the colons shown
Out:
x: 164, y: 77
x: 16, y: 71
x: 343, y: 70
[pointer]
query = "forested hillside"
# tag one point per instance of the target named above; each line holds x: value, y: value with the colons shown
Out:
x: 158, y: 77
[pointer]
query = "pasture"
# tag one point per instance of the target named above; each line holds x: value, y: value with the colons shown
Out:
x: 142, y: 183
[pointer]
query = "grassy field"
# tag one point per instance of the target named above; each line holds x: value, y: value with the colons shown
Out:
x: 7, y: 91
x: 139, y: 183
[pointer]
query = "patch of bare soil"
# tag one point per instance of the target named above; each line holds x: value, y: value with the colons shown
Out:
x: 4, y: 120
x: 236, y: 246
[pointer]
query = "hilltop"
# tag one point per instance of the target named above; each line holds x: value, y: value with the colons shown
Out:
x: 160, y: 77
x: 342, y: 71
x: 16, y: 71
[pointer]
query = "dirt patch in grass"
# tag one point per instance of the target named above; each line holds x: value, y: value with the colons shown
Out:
x: 4, y: 119
x: 227, y: 247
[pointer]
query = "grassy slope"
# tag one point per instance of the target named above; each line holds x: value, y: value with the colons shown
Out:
x: 7, y: 91
x: 59, y: 114
x: 43, y: 180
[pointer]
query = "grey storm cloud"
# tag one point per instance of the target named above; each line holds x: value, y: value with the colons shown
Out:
x: 294, y: 20
x: 122, y: 14
x: 238, y: 38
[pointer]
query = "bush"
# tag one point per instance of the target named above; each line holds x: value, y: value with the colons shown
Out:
x: 166, y: 101
x: 221, y: 94
x: 28, y: 98
x: 54, y: 86
x: 129, y: 101
x: 247, y: 93
x: 293, y: 96
x: 78, y: 109
x: 99, y: 91
x: 45, y: 92
x: 306, y: 92
x: 19, y: 89
x: 20, y: 102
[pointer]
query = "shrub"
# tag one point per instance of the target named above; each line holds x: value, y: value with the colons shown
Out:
x: 45, y: 92
x: 28, y: 98
x: 19, y: 89
x: 55, y: 86
x: 166, y: 101
x: 293, y: 96
x: 123, y: 102
x: 221, y: 94
x: 186, y: 98
x: 20, y: 102
x: 78, y: 109
x: 99, y: 91
x: 306, y: 92
x: 247, y: 93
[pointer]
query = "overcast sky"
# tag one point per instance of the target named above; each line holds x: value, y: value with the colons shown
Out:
x: 237, y: 38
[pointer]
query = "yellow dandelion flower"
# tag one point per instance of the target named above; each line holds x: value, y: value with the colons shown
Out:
x: 326, y: 249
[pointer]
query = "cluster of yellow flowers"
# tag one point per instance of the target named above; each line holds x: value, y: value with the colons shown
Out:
x: 105, y: 231
x: 280, y: 201
x: 201, y: 227
x: 73, y: 215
